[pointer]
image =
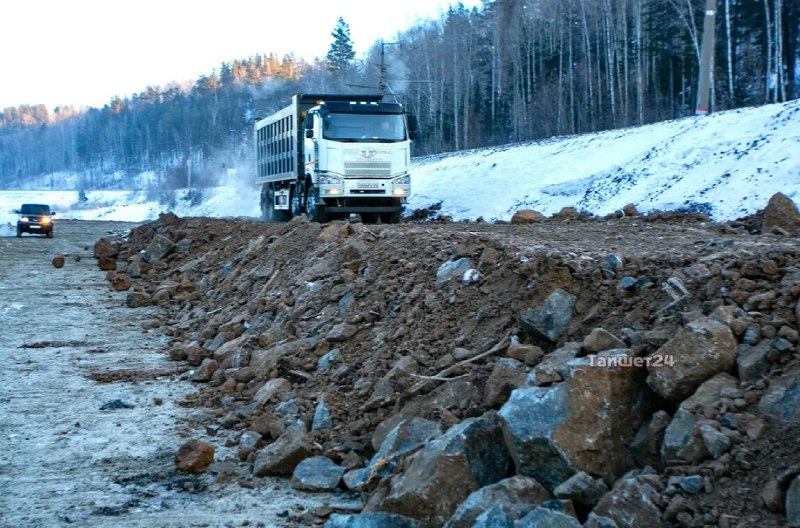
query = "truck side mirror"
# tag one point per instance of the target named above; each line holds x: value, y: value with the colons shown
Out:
x: 413, y: 127
x: 53, y: 213
x: 309, y: 134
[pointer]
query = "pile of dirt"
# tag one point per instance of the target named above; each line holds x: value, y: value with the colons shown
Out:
x: 341, y: 330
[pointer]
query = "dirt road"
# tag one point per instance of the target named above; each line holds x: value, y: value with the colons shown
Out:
x: 75, y: 452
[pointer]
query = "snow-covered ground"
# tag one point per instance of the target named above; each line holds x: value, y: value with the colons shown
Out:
x: 728, y: 164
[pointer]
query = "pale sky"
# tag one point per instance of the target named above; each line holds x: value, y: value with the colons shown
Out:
x: 84, y: 52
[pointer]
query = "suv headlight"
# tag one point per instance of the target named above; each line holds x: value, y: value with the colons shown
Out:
x: 23, y: 219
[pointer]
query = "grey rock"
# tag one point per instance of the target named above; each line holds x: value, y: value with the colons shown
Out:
x: 631, y: 504
x: 781, y: 401
x: 555, y: 365
x: 581, y: 489
x: 248, y: 443
x: 493, y: 517
x: 328, y: 359
x: 546, y: 518
x: 317, y: 473
x: 452, y: 269
x: 370, y: 520
x: 793, y: 503
x: 716, y: 443
x: 555, y: 432
x: 508, y: 374
x: 283, y: 455
x: 442, y: 474
x: 458, y: 394
x: 700, y: 350
x: 692, y: 484
x: 516, y: 496
x: 599, y: 340
x: 158, y: 248
x: 406, y: 438
x: 646, y: 445
x: 341, y: 332
x: 322, y: 417
x: 680, y: 441
x: 596, y: 521
x: 709, y: 393
x: 137, y: 300
x: 549, y: 321
x: 272, y: 390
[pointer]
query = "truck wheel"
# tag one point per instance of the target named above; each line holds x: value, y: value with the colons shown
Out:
x: 391, y: 218
x: 313, y: 212
x: 295, y: 205
x: 268, y: 211
x: 369, y: 218
x: 50, y: 234
x: 19, y: 233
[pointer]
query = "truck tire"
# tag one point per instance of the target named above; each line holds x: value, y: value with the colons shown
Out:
x: 312, y: 209
x: 370, y: 218
x: 391, y: 218
x: 268, y: 211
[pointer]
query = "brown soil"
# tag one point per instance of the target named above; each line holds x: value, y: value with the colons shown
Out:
x: 297, y: 283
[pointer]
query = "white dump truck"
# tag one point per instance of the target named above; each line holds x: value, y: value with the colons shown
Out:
x: 332, y: 155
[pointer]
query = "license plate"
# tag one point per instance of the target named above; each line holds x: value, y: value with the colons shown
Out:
x: 36, y: 227
x: 366, y: 185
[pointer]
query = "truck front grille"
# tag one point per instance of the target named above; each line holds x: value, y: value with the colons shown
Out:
x: 367, y: 169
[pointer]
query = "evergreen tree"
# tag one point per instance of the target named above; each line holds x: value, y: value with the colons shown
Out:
x: 341, y: 54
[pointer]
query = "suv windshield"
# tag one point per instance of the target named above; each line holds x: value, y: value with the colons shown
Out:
x: 364, y: 127
x: 34, y: 209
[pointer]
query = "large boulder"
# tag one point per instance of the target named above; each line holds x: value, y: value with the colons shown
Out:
x: 781, y: 212
x: 159, y: 248
x: 194, y: 456
x: 700, y: 350
x: 282, y: 456
x: 450, y: 396
x: 646, y: 446
x: 527, y: 216
x: 582, y: 490
x: 680, y: 440
x: 403, y: 440
x: 444, y: 472
x: 508, y: 374
x: 550, y: 320
x: 516, y: 496
x: 632, y: 503
x: 370, y: 520
x: 552, y: 433
x: 781, y: 401
x: 317, y: 473
x: 543, y: 517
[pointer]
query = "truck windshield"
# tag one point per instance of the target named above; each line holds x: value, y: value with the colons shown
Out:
x: 364, y: 127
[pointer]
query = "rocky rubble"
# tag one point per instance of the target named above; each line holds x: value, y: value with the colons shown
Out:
x: 620, y: 372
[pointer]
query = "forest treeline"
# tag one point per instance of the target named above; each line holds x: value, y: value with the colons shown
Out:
x: 508, y: 71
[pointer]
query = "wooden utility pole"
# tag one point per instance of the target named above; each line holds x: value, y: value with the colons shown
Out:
x: 706, y: 60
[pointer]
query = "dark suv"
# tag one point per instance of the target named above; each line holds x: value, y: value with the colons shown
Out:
x: 35, y: 218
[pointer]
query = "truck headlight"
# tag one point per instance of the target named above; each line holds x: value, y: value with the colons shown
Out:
x: 329, y: 180
x: 402, y: 180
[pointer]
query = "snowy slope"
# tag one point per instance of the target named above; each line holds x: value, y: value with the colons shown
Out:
x: 733, y: 161
x: 728, y: 164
